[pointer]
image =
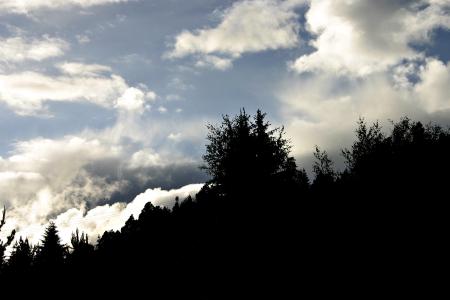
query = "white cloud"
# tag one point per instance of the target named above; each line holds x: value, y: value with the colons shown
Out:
x: 357, y: 38
x: 112, y: 217
x: 63, y: 178
x: 364, y: 65
x: 434, y: 88
x: 19, y: 49
x: 136, y: 100
x: 247, y: 26
x: 44, y: 176
x: 102, y: 218
x: 133, y: 99
x: 26, y: 93
x: 93, y: 70
x: 27, y: 6
x: 323, y: 109
x: 151, y: 95
x: 214, y: 62
x: 59, y: 179
x: 145, y: 158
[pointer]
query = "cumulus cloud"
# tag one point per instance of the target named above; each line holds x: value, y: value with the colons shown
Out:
x: 364, y: 64
x: 135, y: 100
x: 247, y: 26
x: 357, y: 38
x: 433, y: 90
x: 323, y: 109
x: 69, y: 180
x: 50, y: 165
x: 44, y: 177
x: 27, y: 6
x: 19, y: 49
x: 27, y: 93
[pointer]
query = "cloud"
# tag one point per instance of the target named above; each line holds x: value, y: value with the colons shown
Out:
x: 365, y: 63
x: 323, y: 109
x: 134, y: 100
x: 357, y: 38
x: 151, y: 95
x: 93, y: 70
x: 433, y: 90
x: 245, y: 27
x: 27, y: 6
x: 145, y: 158
x: 214, y: 62
x: 44, y: 177
x: 103, y: 218
x: 112, y: 217
x: 70, y: 179
x: 27, y: 93
x: 85, y: 180
x: 18, y: 49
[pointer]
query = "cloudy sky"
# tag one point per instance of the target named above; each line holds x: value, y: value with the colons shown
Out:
x: 103, y: 103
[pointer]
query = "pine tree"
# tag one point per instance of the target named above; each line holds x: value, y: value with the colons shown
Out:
x: 51, y: 253
x: 244, y: 155
x: 21, y: 257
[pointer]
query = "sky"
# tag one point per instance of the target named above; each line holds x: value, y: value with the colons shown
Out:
x: 104, y: 103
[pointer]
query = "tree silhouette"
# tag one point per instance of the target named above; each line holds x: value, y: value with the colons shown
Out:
x: 82, y: 252
x: 21, y: 258
x: 244, y: 154
x: 325, y: 175
x: 259, y: 218
x: 50, y: 254
x: 367, y: 144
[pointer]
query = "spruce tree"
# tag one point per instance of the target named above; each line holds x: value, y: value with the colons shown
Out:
x: 21, y: 257
x: 51, y: 253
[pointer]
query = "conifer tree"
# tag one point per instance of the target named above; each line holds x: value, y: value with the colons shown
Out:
x: 51, y: 253
x: 21, y: 258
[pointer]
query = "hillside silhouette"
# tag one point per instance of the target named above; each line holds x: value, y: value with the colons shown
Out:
x: 261, y: 223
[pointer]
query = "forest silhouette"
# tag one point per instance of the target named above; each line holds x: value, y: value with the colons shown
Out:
x: 378, y: 224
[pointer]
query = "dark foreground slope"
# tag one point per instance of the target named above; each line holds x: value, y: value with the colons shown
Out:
x: 260, y: 226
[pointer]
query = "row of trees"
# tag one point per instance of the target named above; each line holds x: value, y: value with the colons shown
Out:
x: 260, y: 215
x: 51, y: 255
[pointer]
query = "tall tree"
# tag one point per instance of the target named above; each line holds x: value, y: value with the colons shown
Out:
x: 82, y: 251
x: 244, y: 155
x: 51, y: 253
x: 21, y: 257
